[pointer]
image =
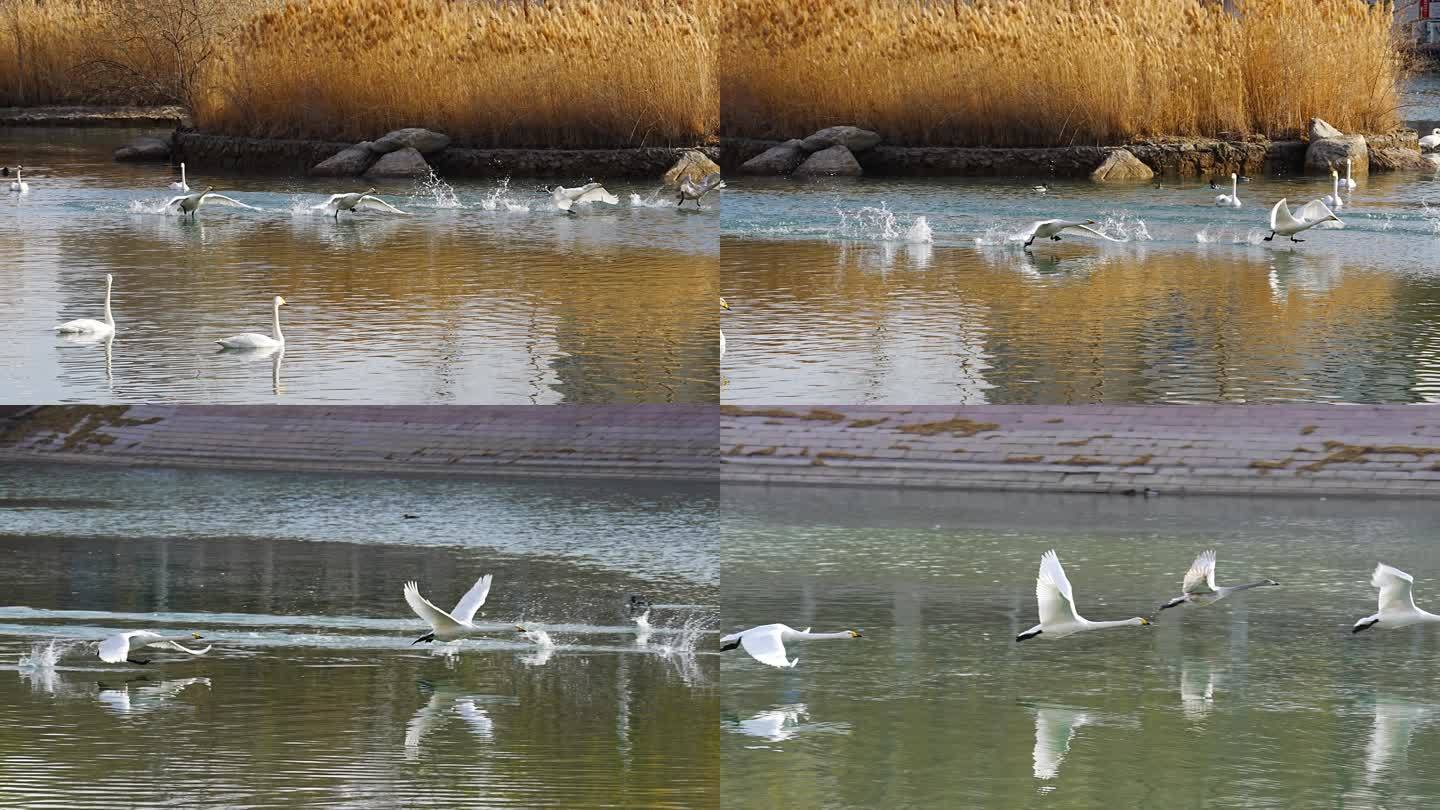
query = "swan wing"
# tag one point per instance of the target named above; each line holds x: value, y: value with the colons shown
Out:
x: 1314, y: 211
x: 83, y: 325
x: 173, y: 201
x: 1395, y: 588
x: 1080, y: 226
x: 223, y: 200
x: 115, y: 649
x: 249, y: 340
x: 1201, y: 576
x: 1054, y: 729
x: 712, y: 182
x: 1280, y: 216
x: 479, y: 721
x: 330, y: 203
x: 594, y: 192
x: 764, y: 645
x: 376, y: 204
x: 1053, y: 593
x: 424, y: 721
x: 473, y: 599
x: 435, y: 617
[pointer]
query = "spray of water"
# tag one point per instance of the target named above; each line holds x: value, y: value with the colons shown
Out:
x: 659, y: 198
x: 500, y: 199
x: 435, y: 192
x: 44, y: 655
x: 880, y: 224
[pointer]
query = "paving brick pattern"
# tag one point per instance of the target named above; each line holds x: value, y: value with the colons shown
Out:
x: 1223, y: 449
x: 667, y: 442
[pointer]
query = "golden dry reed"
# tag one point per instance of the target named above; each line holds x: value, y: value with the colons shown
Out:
x: 1057, y: 72
x: 579, y: 73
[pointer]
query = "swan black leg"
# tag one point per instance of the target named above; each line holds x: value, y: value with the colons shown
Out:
x: 1025, y: 636
x: 1028, y: 241
x: 732, y: 645
x: 1271, y: 236
x: 1360, y: 627
x: 141, y: 663
x: 1055, y: 238
x: 1293, y: 239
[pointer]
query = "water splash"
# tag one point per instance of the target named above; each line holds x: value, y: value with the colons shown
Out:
x: 1124, y: 226
x: 642, y: 628
x: 1229, y: 236
x: 499, y: 199
x: 653, y: 200
x: 150, y: 207
x: 539, y: 637
x: 436, y: 193
x: 880, y: 224
x: 684, y: 640
x: 44, y: 655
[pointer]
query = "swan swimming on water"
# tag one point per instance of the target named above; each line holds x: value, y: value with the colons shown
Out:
x: 590, y: 192
x: 1284, y: 223
x: 90, y: 326
x: 254, y: 340
x: 1333, y: 198
x: 766, y: 643
x: 1431, y: 141
x: 1347, y: 181
x: 1056, y: 599
x: 1397, y: 602
x: 117, y: 648
x: 180, y: 185
x: 1051, y: 228
x: 690, y: 190
x: 1231, y: 200
x: 18, y: 185
x: 350, y: 202
x: 1200, y: 587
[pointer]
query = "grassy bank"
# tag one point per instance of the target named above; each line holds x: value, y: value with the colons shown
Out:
x: 1042, y: 73
x: 569, y: 73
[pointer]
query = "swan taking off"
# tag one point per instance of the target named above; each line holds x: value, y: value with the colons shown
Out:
x: 590, y: 192
x: 190, y: 203
x: 253, y: 340
x: 1200, y: 587
x: 364, y: 199
x: 690, y: 190
x: 1397, y: 603
x: 1284, y: 223
x: 1431, y: 141
x: 766, y: 643
x: 90, y: 326
x: 116, y: 649
x: 1347, y: 181
x: 18, y: 185
x: 180, y: 185
x: 1058, y: 617
x: 456, y: 624
x: 1051, y: 228
x: 1333, y: 198
x: 1231, y: 200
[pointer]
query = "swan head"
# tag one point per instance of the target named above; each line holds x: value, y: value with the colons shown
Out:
x: 1142, y: 621
x: 196, y: 636
x: 370, y: 190
x: 520, y: 629
x: 279, y: 302
x: 1090, y: 222
x: 1269, y: 582
x: 1234, y: 176
x: 724, y: 304
x: 855, y: 634
x: 209, y: 189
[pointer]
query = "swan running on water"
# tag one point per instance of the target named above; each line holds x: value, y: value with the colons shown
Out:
x: 1058, y: 617
x: 456, y: 624
x: 1051, y: 228
x: 117, y: 648
x: 180, y: 185
x: 766, y: 643
x: 1231, y: 200
x: 253, y: 340
x: 350, y: 202
x: 1284, y: 223
x: 190, y: 203
x: 690, y: 190
x: 18, y: 185
x: 590, y: 192
x: 1397, y: 602
x: 90, y: 326
x: 1200, y: 587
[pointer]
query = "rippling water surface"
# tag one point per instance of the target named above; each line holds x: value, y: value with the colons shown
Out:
x: 1264, y: 700
x: 485, y: 293
x: 313, y: 694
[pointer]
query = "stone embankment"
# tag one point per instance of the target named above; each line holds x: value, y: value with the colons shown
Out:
x: 640, y: 442
x: 1126, y: 450
x: 75, y: 116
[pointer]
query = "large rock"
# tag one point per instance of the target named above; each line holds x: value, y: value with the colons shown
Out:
x: 1398, y: 159
x: 835, y: 161
x: 1318, y: 130
x: 350, y: 162
x: 424, y: 141
x: 853, y: 138
x: 693, y: 165
x: 145, y: 148
x: 1121, y: 166
x: 1330, y: 153
x: 780, y: 159
x: 407, y: 162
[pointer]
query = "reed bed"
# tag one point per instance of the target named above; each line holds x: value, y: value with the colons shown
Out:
x: 1057, y: 72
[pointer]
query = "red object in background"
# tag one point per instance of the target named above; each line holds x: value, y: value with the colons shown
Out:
x: 1424, y: 9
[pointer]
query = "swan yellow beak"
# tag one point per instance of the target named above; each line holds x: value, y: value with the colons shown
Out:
x: 1144, y: 621
x: 520, y: 629
x: 281, y: 302
x: 196, y: 636
x: 723, y: 304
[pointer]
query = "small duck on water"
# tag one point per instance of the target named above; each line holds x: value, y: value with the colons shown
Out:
x: 1040, y: 189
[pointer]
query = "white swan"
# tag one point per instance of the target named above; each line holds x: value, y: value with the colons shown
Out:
x: 590, y: 192
x: 1058, y: 617
x: 146, y: 698
x: 725, y: 307
x: 350, y: 202
x: 1200, y: 587
x: 1284, y: 223
x: 1333, y: 198
x: 1397, y: 603
x: 180, y: 185
x: 116, y: 649
x: 1431, y: 141
x: 1347, y: 181
x: 1231, y: 200
x: 766, y: 643
x: 18, y: 185
x: 190, y: 203
x: 90, y: 326
x: 690, y: 190
x: 1051, y: 228
x: 456, y: 624
x: 253, y: 340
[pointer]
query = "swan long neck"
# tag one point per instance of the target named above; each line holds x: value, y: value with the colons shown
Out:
x: 182, y: 175
x: 1250, y: 585
x: 280, y: 336
x: 1234, y: 187
x: 801, y: 635
x: 109, y: 319
x: 1116, y: 623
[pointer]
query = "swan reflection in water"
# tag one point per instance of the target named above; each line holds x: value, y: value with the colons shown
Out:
x: 132, y: 699
x: 782, y: 723
x: 1055, y: 729
x: 448, y: 702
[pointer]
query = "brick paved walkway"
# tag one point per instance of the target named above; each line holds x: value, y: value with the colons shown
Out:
x: 1224, y: 449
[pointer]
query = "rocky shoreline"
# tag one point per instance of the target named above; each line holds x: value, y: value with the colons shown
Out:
x: 78, y: 116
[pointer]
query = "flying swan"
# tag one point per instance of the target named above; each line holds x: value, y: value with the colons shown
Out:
x: 253, y: 340
x: 1431, y: 141
x: 190, y: 203
x: 1231, y: 200
x: 690, y: 190
x: 180, y: 185
x: 117, y: 648
x: 456, y: 624
x: 350, y: 202
x: 1058, y: 618
x: 18, y: 185
x: 1200, y: 587
x: 1051, y: 228
x: 1397, y: 603
x: 590, y: 192
x: 1284, y: 223
x: 766, y: 643
x: 90, y: 326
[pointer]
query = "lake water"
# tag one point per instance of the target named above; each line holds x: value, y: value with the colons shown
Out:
x: 838, y: 295
x: 1263, y: 700
x: 484, y: 294
x: 313, y: 694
